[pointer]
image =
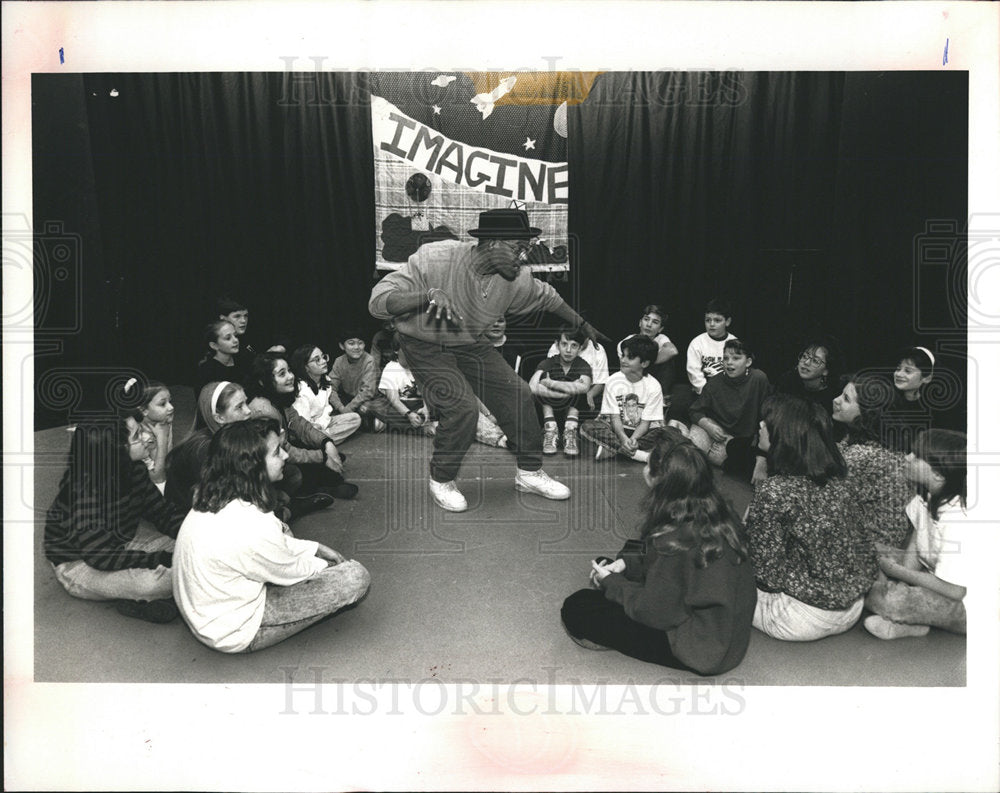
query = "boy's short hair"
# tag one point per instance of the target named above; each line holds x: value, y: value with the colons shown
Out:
x: 573, y: 333
x: 737, y: 346
x: 346, y: 334
x: 655, y: 308
x: 641, y: 347
x: 719, y: 306
x: 227, y: 304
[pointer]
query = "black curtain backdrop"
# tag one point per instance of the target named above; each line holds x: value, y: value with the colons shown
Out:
x: 805, y: 198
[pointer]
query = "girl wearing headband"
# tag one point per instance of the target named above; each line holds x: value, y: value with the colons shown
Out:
x: 910, y: 412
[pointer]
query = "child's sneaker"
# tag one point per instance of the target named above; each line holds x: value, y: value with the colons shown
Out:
x: 570, y: 445
x: 549, y: 439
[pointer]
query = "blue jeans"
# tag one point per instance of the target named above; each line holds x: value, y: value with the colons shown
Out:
x: 450, y: 379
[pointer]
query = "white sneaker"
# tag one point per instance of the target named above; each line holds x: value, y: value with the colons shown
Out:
x: 447, y: 496
x: 541, y: 483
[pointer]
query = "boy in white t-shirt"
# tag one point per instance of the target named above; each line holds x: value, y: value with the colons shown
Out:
x: 400, y: 405
x: 631, y: 417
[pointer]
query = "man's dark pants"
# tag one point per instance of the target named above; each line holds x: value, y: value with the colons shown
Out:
x: 450, y: 379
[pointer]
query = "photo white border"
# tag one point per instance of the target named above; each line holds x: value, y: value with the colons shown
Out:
x: 140, y: 737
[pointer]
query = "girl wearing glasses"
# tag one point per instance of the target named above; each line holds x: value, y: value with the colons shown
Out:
x: 816, y: 375
x: 311, y: 366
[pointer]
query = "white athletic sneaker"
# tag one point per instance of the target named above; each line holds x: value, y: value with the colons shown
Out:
x: 541, y: 483
x: 447, y: 496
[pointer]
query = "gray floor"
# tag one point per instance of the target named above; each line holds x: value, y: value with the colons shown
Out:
x: 473, y: 596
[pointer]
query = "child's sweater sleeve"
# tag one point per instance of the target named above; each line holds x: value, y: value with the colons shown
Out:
x: 103, y: 547
x: 658, y: 601
x: 702, y: 406
x: 366, y: 388
x: 163, y: 514
x: 695, y: 375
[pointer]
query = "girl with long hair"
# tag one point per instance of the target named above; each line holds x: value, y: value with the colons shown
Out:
x: 871, y: 449
x: 93, y: 539
x: 272, y: 388
x: 925, y: 584
x: 813, y: 556
x: 816, y: 375
x: 682, y: 596
x: 242, y: 581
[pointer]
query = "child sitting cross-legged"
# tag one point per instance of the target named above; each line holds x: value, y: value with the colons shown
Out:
x: 316, y: 394
x: 724, y: 418
x: 241, y: 579
x: 924, y: 585
x: 400, y: 406
x: 560, y: 383
x: 353, y: 376
x: 683, y: 594
x: 631, y: 419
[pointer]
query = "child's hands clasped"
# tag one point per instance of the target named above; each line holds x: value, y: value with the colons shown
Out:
x: 601, y: 571
x: 890, y: 559
x: 713, y: 430
x: 329, y: 555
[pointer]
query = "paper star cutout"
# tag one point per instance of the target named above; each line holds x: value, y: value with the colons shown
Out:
x: 515, y: 204
x: 528, y: 144
x: 436, y: 109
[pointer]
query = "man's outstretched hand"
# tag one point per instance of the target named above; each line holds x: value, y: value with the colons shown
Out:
x: 441, y: 306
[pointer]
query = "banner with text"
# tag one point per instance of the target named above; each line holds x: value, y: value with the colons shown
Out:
x: 449, y: 146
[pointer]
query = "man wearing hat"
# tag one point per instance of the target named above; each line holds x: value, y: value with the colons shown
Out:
x: 442, y: 300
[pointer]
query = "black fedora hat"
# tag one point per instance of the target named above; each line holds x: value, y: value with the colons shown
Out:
x: 504, y: 224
